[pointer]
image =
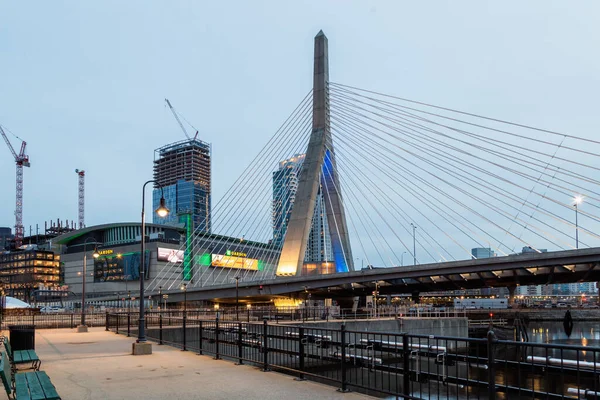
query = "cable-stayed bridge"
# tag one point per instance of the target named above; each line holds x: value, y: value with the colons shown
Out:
x: 355, y: 178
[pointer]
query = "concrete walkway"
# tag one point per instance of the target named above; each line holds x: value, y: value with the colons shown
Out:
x: 98, y: 365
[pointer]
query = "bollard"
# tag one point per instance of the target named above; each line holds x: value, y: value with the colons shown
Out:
x: 301, y: 352
x: 265, y: 347
x: 344, y: 387
x: 240, y: 345
x: 491, y: 339
x: 406, y: 366
x: 107, y: 323
x: 216, y: 339
x: 160, y: 332
x: 200, y: 337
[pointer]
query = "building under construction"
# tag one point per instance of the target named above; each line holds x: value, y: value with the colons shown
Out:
x: 183, y: 169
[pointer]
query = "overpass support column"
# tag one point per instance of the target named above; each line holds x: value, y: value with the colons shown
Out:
x: 511, y: 295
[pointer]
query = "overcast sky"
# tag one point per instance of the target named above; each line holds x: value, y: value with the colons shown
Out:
x: 84, y: 82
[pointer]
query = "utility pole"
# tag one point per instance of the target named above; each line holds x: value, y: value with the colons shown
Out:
x: 414, y: 243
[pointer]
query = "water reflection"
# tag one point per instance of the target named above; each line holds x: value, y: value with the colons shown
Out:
x: 584, y: 333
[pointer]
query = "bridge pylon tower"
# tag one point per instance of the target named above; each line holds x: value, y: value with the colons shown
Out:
x: 318, y: 171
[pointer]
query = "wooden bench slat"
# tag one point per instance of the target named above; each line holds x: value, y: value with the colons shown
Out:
x: 21, y: 391
x: 35, y: 388
x: 17, y: 357
x: 32, y: 355
x: 47, y: 386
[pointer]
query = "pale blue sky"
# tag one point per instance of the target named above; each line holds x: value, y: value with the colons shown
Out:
x: 83, y: 82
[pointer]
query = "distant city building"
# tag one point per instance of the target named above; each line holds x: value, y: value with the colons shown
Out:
x: 529, y: 249
x: 6, y: 237
x: 285, y: 186
x: 183, y: 169
x: 482, y: 252
x: 22, y: 272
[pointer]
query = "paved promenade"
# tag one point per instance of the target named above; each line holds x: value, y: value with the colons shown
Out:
x: 98, y: 365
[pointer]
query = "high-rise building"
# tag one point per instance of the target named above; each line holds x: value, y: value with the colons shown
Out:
x: 183, y: 169
x: 285, y: 186
x: 482, y: 252
x: 6, y: 237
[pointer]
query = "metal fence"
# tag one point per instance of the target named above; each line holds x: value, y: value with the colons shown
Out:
x: 401, y: 365
x: 53, y: 321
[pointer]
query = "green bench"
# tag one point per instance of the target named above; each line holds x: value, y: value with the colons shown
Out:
x: 35, y: 385
x: 20, y: 357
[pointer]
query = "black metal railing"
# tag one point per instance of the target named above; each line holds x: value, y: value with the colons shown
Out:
x: 402, y: 365
x: 53, y: 321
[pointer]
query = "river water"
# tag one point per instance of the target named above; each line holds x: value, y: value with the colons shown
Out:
x: 584, y: 333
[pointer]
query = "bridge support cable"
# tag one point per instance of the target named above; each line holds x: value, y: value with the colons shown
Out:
x: 363, y: 218
x: 401, y: 113
x: 245, y: 222
x: 367, y: 183
x: 381, y: 156
x: 569, y: 191
x: 587, y: 140
x: 368, y: 138
x: 459, y: 189
x: 522, y: 200
x: 215, y: 242
x: 418, y: 129
x: 559, y: 202
x: 493, y: 188
x: 374, y: 226
x: 290, y: 138
x: 418, y: 195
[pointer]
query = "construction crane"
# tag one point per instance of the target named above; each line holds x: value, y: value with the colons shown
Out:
x: 81, y: 174
x: 179, y: 121
x: 21, y: 160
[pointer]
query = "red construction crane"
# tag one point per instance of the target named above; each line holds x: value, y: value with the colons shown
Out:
x: 21, y: 160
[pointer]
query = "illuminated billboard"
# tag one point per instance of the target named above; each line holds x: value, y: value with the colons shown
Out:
x: 224, y: 261
x: 170, y: 255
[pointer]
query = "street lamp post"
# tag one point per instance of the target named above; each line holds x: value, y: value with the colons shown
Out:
x: 578, y: 200
x: 414, y: 243
x: 159, y: 297
x: 184, y: 288
x: 141, y: 346
x: 83, y: 327
x: 402, y: 259
x: 237, y: 298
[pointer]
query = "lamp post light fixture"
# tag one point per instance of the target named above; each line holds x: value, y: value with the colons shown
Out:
x: 159, y: 297
x: 83, y: 327
x: 184, y: 288
x: 577, y: 200
x: 141, y: 345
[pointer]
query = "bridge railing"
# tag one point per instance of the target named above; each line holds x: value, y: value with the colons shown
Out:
x: 53, y: 320
x: 406, y: 365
